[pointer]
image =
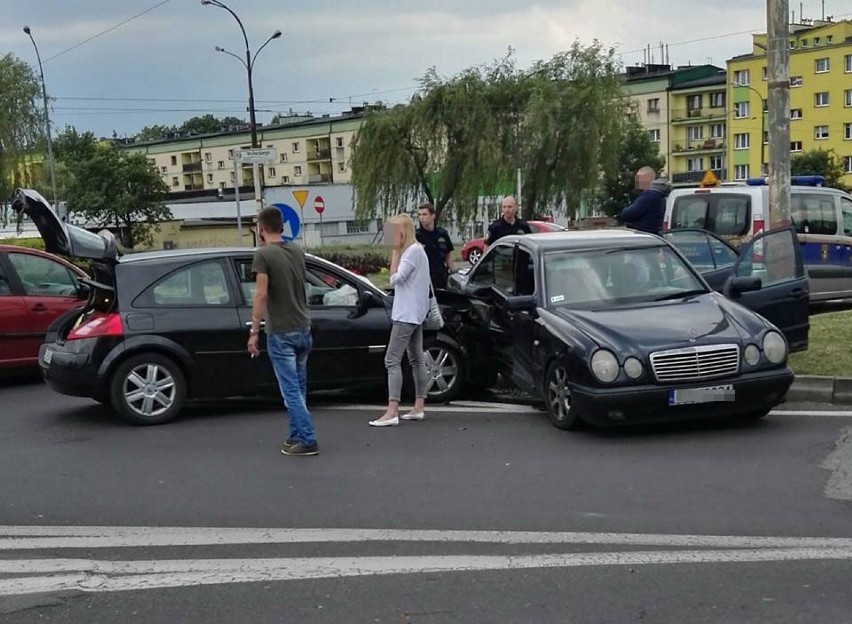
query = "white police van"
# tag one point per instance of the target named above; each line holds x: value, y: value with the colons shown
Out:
x: 736, y: 213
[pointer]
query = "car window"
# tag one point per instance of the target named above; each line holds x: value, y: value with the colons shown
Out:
x: 524, y: 273
x: 690, y: 212
x: 202, y: 284
x: 43, y: 277
x: 846, y: 214
x: 484, y: 271
x: 504, y: 268
x: 772, y: 258
x: 5, y: 287
x: 719, y: 213
x: 813, y: 213
x: 326, y: 289
x: 696, y: 247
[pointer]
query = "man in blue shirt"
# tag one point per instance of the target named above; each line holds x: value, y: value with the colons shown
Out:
x: 647, y: 213
x: 509, y: 222
x: 437, y: 244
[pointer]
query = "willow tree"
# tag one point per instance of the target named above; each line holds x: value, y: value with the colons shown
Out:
x: 467, y: 136
x: 21, y: 122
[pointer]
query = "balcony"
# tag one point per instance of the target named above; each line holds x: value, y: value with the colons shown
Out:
x: 193, y: 167
x: 697, y: 114
x: 700, y: 146
x: 319, y: 154
x: 695, y: 177
x: 319, y: 178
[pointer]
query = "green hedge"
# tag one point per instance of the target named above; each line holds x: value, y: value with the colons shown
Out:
x: 363, y: 262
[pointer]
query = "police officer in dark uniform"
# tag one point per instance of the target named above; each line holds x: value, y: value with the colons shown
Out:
x: 439, y: 248
x: 508, y: 223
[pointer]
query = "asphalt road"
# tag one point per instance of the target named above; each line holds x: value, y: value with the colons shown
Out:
x: 477, y: 514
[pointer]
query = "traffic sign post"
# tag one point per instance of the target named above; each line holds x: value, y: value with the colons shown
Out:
x: 301, y: 197
x: 319, y: 206
x: 256, y: 157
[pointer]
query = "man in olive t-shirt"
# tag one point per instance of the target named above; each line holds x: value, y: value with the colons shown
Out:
x: 279, y: 268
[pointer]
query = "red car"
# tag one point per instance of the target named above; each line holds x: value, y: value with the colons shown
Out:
x: 472, y: 250
x: 35, y: 288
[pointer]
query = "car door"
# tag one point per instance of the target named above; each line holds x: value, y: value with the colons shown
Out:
x: 776, y: 259
x: 49, y: 290
x: 711, y: 256
x: 15, y: 323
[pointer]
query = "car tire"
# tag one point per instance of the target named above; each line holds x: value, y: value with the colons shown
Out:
x: 446, y: 371
x: 148, y: 389
x: 474, y: 255
x: 557, y: 399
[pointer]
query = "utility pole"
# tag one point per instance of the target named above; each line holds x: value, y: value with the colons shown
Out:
x: 778, y: 84
x: 51, y: 163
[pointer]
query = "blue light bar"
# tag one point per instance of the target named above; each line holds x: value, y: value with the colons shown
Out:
x: 806, y: 180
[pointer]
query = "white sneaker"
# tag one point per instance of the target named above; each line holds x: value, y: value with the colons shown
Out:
x: 414, y: 416
x: 391, y: 422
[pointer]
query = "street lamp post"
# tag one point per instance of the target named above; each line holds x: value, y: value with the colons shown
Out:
x: 248, y: 63
x: 762, y: 125
x: 51, y: 163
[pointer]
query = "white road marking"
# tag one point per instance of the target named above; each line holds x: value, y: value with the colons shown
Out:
x: 109, y: 576
x: 815, y: 413
x: 839, y: 462
x: 40, y: 537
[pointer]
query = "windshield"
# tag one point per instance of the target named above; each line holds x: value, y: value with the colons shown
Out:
x: 616, y: 277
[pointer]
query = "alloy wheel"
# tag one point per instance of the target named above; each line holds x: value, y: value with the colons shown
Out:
x: 442, y: 369
x: 149, y: 390
x: 558, y: 395
x: 474, y: 255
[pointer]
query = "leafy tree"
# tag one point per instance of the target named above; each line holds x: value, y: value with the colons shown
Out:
x: 635, y: 150
x: 153, y: 132
x: 207, y: 124
x: 112, y: 188
x: 464, y: 137
x: 821, y: 162
x: 21, y: 121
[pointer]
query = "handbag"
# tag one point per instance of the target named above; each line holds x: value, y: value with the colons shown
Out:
x: 434, y: 320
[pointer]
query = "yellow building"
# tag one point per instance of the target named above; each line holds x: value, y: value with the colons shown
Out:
x: 309, y: 151
x: 820, y: 98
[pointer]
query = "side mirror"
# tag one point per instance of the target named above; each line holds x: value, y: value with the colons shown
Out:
x: 366, y: 300
x: 520, y: 303
x: 739, y: 285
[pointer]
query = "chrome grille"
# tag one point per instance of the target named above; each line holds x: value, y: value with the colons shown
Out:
x: 696, y: 363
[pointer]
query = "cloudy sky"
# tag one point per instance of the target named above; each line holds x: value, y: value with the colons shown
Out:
x: 161, y: 67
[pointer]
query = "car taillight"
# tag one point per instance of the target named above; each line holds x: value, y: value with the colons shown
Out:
x: 98, y: 327
x: 758, y: 245
x: 758, y: 226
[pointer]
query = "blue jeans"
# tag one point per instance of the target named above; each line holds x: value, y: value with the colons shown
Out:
x: 289, y: 354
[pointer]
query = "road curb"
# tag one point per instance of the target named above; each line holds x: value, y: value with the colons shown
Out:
x: 816, y: 389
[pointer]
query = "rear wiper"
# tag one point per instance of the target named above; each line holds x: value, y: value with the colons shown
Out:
x: 681, y: 295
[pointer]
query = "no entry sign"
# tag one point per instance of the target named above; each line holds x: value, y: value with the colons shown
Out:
x: 319, y: 204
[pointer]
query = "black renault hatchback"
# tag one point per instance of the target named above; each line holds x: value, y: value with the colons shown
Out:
x: 164, y: 327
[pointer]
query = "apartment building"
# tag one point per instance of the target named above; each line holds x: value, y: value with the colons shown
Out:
x: 820, y: 97
x: 309, y: 151
x: 698, y: 129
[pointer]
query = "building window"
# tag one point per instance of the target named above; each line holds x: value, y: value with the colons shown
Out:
x: 795, y: 146
x: 654, y: 105
x: 339, y: 142
x: 764, y: 72
x: 741, y: 110
x: 717, y: 163
x: 271, y: 172
x: 175, y: 181
x: 230, y: 154
x: 283, y: 158
x: 847, y: 63
x: 654, y: 135
x: 693, y: 102
x: 717, y: 131
x: 357, y: 227
x: 233, y: 179
x: 717, y: 99
x: 174, y: 161
x: 208, y: 157
x: 695, y: 133
x: 805, y: 42
x: 796, y: 113
x: 741, y: 141
x: 220, y: 164
x: 847, y: 98
x: 820, y: 132
x: 847, y: 132
x: 210, y: 178
x: 297, y: 171
x: 164, y: 169
x: 296, y: 147
x: 822, y: 65
x: 821, y: 98
x: 829, y: 39
x: 341, y: 167
x: 740, y: 172
x: 847, y: 164
x: 817, y: 41
x: 742, y: 78
x: 221, y: 186
x: 285, y: 179
x: 695, y: 164
x: 796, y: 81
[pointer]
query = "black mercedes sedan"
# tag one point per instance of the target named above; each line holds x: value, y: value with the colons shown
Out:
x: 614, y: 327
x: 164, y: 327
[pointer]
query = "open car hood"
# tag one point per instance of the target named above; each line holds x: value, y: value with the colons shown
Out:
x: 62, y: 238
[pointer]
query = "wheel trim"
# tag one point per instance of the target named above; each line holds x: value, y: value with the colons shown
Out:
x: 558, y: 394
x: 474, y: 256
x: 442, y: 370
x: 149, y: 390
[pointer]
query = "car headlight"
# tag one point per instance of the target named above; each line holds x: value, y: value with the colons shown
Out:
x: 774, y: 347
x: 752, y: 355
x: 633, y: 368
x: 605, y: 366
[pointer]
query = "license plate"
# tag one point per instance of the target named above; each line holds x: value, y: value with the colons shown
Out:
x: 711, y: 394
x: 48, y: 356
